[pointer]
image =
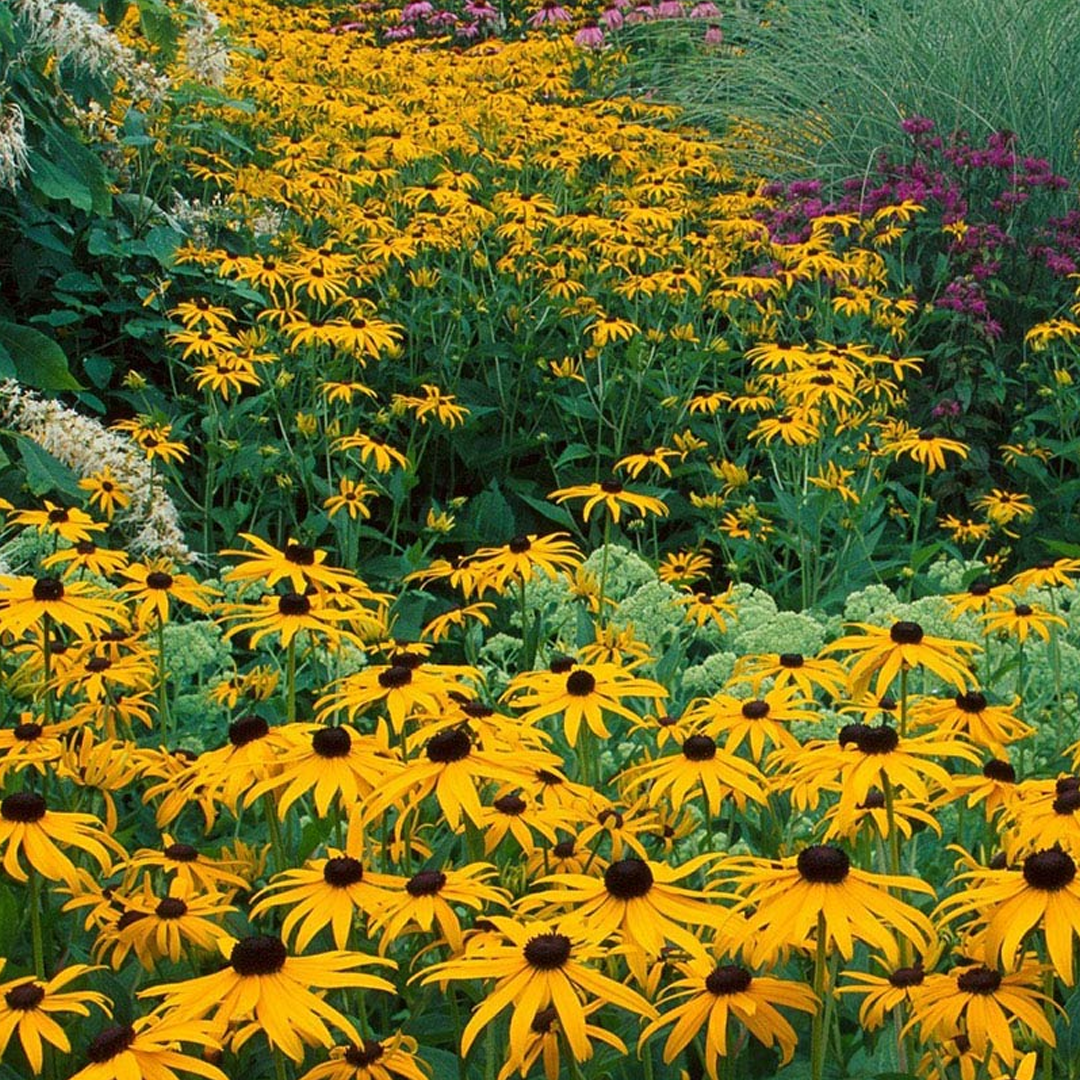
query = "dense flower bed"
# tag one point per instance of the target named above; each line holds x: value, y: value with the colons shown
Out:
x: 531, y: 618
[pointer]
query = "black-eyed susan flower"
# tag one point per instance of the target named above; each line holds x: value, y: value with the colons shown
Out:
x: 846, y: 819
x: 262, y: 982
x: 298, y: 564
x: 524, y: 556
x: 635, y: 898
x: 350, y: 497
x: 546, y: 1038
x: 519, y: 815
x: 27, y: 601
x: 887, y: 652
x: 28, y: 827
x: 290, y: 614
x: 703, y: 607
x: 86, y: 557
x: 27, y: 1008
x: 154, y: 585
x: 984, y: 1004
x: 1004, y: 507
x: 635, y: 464
x: 580, y: 693
x: 374, y: 449
x: 106, y: 492
x: 438, y: 629
x: 807, y: 673
x: 538, y: 965
x: 683, y: 567
x: 1043, y: 893
x: 185, y: 863
x: 73, y: 525
x: 927, y: 449
x: 1022, y: 620
x: 326, y: 892
x: 332, y: 763
x: 981, y: 597
x: 622, y: 825
x: 818, y: 890
x: 611, y: 495
x: 428, y: 899
x: 373, y: 1059
x: 1047, y: 574
x: 151, y: 1046
x: 883, y: 993
x: 710, y: 995
x: 702, y: 768
x: 755, y: 721
x: 970, y: 714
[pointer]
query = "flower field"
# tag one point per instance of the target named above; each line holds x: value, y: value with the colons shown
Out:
x: 490, y: 587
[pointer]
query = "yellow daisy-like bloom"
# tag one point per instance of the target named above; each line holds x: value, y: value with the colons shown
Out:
x: 325, y: 892
x: 872, y: 813
x: 927, y: 449
x: 262, y: 982
x: 711, y: 994
x: 428, y: 898
x: 819, y: 891
x: 984, y: 1004
x: 26, y: 1006
x: 704, y: 607
x: 152, y: 585
x: 186, y: 864
x: 755, y: 721
x: 635, y: 464
x: 1005, y: 507
x: 334, y: 763
x: 523, y: 556
x: 27, y: 825
x: 26, y: 601
x: 635, y: 898
x: 1009, y: 904
x: 350, y: 498
x: 883, y: 994
x: 887, y: 652
x: 86, y: 557
x: 373, y: 1059
x: 545, y: 1039
x: 613, y: 497
x: 106, y: 492
x: 301, y: 566
x: 969, y: 714
x: 807, y: 673
x: 519, y: 815
x: 1022, y: 620
x: 581, y: 693
x: 981, y: 597
x: 73, y: 525
x: 1047, y: 574
x: 683, y: 567
x: 294, y: 613
x: 439, y: 628
x: 375, y: 450
x: 702, y: 768
x: 537, y: 965
x: 149, y: 1048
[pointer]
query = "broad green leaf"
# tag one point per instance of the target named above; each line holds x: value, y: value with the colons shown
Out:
x: 37, y: 360
x: 45, y: 473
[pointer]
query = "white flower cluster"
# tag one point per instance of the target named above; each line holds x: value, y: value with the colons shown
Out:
x: 86, y: 447
x: 81, y: 43
x: 13, y: 160
x: 205, y: 51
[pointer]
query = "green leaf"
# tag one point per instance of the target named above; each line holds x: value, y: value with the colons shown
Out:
x: 159, y: 26
x: 45, y: 473
x: 37, y: 360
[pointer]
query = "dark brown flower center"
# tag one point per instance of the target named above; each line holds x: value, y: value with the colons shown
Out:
x: 1049, y: 870
x: 512, y: 805
x: 450, y: 745
x: 158, y: 579
x: 97, y: 664
x: 823, y: 864
x: 580, y: 683
x: 611, y: 487
x: 907, y: 976
x: 906, y: 633
x: 293, y: 604
x: 247, y: 729
x: 181, y: 853
x: 260, y: 954
x: 699, y: 748
x: 110, y: 1043
x: 564, y: 849
x: 851, y: 733
x: 24, y: 807
x: 728, y: 979
x: 792, y: 660
x: 405, y: 659
x: 875, y: 800
x: 172, y: 907
x: 25, y: 996
x: 129, y: 918
x: 425, y: 883
x: 300, y: 554
x: 58, y: 516
x: 1068, y: 802
x: 366, y: 1054
x: 971, y: 702
x: 999, y: 770
x: 755, y: 710
x: 560, y: 665
x: 477, y: 710
x: 878, y: 740
x: 1023, y: 611
x: 27, y: 732
x: 628, y: 879
x: 342, y: 871
x: 395, y: 677
x: 47, y: 589
x: 519, y: 545
x: 331, y: 742
x: 979, y: 980
x: 979, y: 588
x: 547, y: 951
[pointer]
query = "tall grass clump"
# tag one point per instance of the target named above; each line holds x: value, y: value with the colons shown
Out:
x: 820, y: 85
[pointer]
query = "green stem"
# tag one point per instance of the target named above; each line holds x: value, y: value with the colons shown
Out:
x: 36, y: 936
x: 280, y: 1069
x: 604, y: 570
x: 1048, y: 1009
x: 290, y: 681
x: 274, y: 829
x: 46, y: 650
x: 817, y: 1027
x: 903, y: 700
x: 163, y: 698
